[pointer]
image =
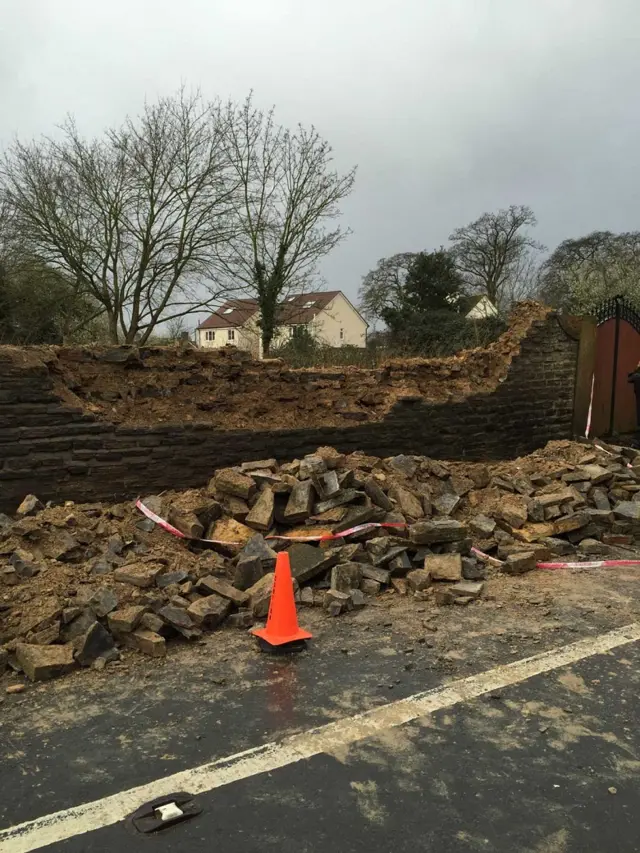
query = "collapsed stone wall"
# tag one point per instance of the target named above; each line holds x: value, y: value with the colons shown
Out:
x: 61, y: 446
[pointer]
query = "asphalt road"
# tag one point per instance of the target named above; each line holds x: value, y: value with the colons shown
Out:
x: 547, y: 765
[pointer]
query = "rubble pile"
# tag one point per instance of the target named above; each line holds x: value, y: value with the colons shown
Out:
x: 78, y: 583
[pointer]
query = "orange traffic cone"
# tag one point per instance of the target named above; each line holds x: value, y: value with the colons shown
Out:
x: 282, y: 632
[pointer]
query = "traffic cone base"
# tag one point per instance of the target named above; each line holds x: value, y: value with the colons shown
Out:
x: 282, y: 627
x: 283, y: 648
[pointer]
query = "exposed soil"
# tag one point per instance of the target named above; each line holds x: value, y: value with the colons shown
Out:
x: 226, y: 389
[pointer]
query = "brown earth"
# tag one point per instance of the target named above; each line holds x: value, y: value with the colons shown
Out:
x: 226, y: 389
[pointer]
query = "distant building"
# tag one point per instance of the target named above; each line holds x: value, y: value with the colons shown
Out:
x: 476, y: 307
x: 328, y: 316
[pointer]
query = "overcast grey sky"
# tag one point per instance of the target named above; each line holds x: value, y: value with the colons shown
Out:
x: 449, y: 107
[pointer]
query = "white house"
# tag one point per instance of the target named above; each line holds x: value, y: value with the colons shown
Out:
x: 328, y: 316
x: 478, y: 307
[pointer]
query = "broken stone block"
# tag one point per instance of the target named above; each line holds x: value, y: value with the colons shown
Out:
x: 152, y: 622
x: 380, y: 576
x: 95, y: 643
x: 230, y: 482
x: 79, y: 625
x: 346, y: 576
x: 341, y: 499
x: 518, y: 564
x: 600, y: 499
x: 438, y: 469
x: 400, y: 564
x: 535, y: 511
x: 260, y: 595
x: 444, y: 597
x: 376, y: 495
x: 370, y: 587
x: 513, y: 510
x: 437, y: 531
x: 148, y: 642
x: 467, y: 589
x: 236, y: 508
x: 446, y: 503
x: 261, y: 515
x: 306, y: 596
x: 170, y: 578
x: 596, y: 473
x: 593, y: 547
x: 176, y: 617
x: 308, y: 561
x: 46, y: 613
x: 571, y: 522
x: 408, y: 504
x: 300, y: 503
x: 127, y: 619
x: 627, y: 510
x: 419, y: 579
x: 556, y: 498
x: 311, y: 466
x: 444, y: 567
x: 186, y: 522
x: 257, y: 546
x: 23, y: 563
x: 472, y: 569
x: 337, y: 602
x: 327, y: 485
x: 259, y: 465
x: 103, y: 601
x: 40, y: 663
x: 357, y: 598
x: 142, y: 575
x: 230, y: 531
x: 29, y: 506
x: 46, y: 636
x: 400, y: 585
x: 9, y: 576
x: 402, y: 464
x: 209, y: 612
x: 210, y: 585
x: 247, y: 572
x: 241, y: 619
x: 66, y: 549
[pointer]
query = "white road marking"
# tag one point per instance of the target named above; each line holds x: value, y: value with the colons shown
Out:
x: 59, y: 826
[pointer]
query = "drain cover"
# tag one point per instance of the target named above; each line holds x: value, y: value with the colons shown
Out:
x: 164, y: 812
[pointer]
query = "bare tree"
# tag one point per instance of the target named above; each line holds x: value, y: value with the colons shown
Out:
x: 288, y: 193
x: 583, y: 272
x: 382, y: 287
x: 133, y: 219
x: 490, y: 251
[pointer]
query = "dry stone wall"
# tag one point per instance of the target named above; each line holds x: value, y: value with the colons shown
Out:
x: 63, y: 453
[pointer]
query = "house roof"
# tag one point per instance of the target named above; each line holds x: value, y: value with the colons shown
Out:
x: 302, y: 308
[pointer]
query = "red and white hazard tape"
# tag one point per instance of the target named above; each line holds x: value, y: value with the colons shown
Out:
x: 595, y: 564
x: 324, y: 537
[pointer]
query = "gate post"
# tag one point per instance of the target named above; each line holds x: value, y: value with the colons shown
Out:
x: 616, y: 344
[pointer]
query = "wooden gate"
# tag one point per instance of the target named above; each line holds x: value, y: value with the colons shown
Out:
x: 617, y: 355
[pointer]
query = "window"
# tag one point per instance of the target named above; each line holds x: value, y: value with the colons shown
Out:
x: 231, y: 334
x: 309, y: 304
x: 210, y: 336
x: 228, y: 310
x: 341, y: 334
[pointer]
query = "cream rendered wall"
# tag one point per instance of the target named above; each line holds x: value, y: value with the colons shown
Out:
x: 340, y: 315
x: 244, y: 338
x: 485, y: 308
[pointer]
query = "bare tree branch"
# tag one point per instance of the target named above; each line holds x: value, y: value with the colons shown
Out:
x: 288, y: 191
x: 490, y: 251
x: 135, y: 219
